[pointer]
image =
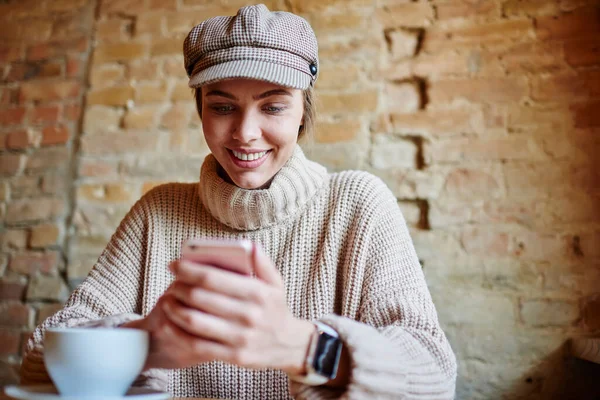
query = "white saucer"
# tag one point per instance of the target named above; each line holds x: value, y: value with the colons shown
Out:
x: 48, y: 392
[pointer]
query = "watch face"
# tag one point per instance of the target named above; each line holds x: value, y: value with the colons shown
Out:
x: 327, y: 355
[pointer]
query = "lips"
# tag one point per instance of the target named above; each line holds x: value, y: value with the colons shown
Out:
x: 248, y: 159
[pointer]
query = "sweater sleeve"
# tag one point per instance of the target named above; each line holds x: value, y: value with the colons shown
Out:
x: 110, y: 296
x: 397, y: 348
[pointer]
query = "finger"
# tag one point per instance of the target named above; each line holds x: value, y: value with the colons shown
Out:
x: 203, y: 325
x: 216, y: 304
x: 219, y: 281
x: 204, y: 349
x: 264, y: 267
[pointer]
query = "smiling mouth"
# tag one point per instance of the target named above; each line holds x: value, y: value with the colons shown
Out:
x: 248, y: 156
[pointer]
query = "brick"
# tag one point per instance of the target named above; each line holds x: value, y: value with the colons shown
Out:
x: 173, y: 67
x: 47, y: 288
x: 14, y: 239
x: 146, y: 70
x: 20, y: 139
x: 66, y: 5
x: 402, y: 43
x: 12, y: 288
x: 99, y: 118
x: 11, y: 164
x: 412, y: 15
x: 470, y: 35
x: 566, y: 86
x: 177, y: 117
x: 52, y: 135
x: 144, y: 117
x: 548, y: 177
x: 4, y: 191
x: 112, y: 52
x: 31, y: 263
x: 75, y: 67
x: 21, y: 9
x: 12, y: 116
x: 46, y: 91
x: 153, y: 24
x: 44, y: 160
x: 79, y: 267
x: 150, y: 93
x: 169, y: 5
x: 403, y: 98
x: 67, y: 26
x: 31, y: 210
x: 461, y: 150
x: 583, y: 23
x: 355, y: 50
x: 45, y: 114
x: 54, y: 184
x: 10, y: 341
x: 72, y: 112
x: 182, y: 92
x: 107, y: 193
x: 44, y: 235
x: 485, y: 242
x: 499, y: 310
x: 338, y: 131
x: 549, y: 312
x: 582, y: 53
x: 536, y: 246
x: 150, y: 167
x: 25, y: 186
x: 165, y: 47
x: 441, y: 122
x: 119, y: 142
x: 590, y: 314
x: 47, y: 310
x: 112, y: 30
x: 11, y: 52
x: 36, y: 30
x: 393, y: 152
x: 527, y: 118
x: 338, y: 76
x: 17, y: 315
x: 534, y: 57
x: 348, y: 103
x: 124, y: 7
x: 530, y: 8
x: 323, y: 23
x: 93, y: 168
x: 467, y: 9
x: 586, y: 115
x: 113, y: 96
x: 54, y: 49
x: 467, y: 184
x: 496, y: 90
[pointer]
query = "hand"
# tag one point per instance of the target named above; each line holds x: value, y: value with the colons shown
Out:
x: 236, y: 318
x: 170, y: 347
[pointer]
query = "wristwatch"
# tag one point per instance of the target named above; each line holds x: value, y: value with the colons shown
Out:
x: 323, y: 356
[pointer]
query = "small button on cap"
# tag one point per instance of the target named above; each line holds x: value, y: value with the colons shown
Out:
x: 313, y: 69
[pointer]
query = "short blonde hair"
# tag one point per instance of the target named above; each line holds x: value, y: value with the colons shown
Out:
x: 307, y: 129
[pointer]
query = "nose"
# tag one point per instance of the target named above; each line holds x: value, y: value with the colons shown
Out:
x: 247, y: 129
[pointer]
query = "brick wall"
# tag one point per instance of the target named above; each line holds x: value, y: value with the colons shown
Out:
x: 481, y: 116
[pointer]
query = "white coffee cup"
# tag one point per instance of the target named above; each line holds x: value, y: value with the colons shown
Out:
x: 94, y: 362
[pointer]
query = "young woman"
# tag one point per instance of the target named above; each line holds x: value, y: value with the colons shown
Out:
x: 338, y: 305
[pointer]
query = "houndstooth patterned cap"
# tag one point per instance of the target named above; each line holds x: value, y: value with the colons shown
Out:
x: 272, y: 46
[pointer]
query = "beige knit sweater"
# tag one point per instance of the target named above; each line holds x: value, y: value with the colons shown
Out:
x: 346, y: 257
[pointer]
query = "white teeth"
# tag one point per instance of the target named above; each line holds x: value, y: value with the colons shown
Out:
x: 248, y: 156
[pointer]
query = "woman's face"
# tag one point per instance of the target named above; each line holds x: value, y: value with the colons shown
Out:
x: 251, y: 127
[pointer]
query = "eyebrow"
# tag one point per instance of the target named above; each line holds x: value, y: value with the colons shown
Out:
x: 274, y: 92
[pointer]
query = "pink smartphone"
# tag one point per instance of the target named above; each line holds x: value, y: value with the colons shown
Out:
x: 233, y: 255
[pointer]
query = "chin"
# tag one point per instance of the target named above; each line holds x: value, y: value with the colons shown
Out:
x: 250, y: 184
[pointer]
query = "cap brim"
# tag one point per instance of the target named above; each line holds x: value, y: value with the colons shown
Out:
x: 252, y: 69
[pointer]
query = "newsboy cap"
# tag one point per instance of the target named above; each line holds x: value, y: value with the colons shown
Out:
x: 273, y: 46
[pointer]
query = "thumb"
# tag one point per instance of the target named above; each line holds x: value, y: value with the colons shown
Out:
x: 264, y: 267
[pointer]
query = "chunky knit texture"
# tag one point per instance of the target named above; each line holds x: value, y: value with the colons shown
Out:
x: 343, y: 250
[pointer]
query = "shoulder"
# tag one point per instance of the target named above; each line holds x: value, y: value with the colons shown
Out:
x: 168, y: 195
x: 360, y: 186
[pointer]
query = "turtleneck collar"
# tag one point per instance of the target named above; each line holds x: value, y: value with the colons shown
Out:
x: 243, y: 209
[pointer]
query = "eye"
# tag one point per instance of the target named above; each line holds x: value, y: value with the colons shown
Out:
x: 273, y: 109
x: 222, y: 108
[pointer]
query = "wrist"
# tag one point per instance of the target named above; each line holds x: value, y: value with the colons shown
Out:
x: 302, y: 332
